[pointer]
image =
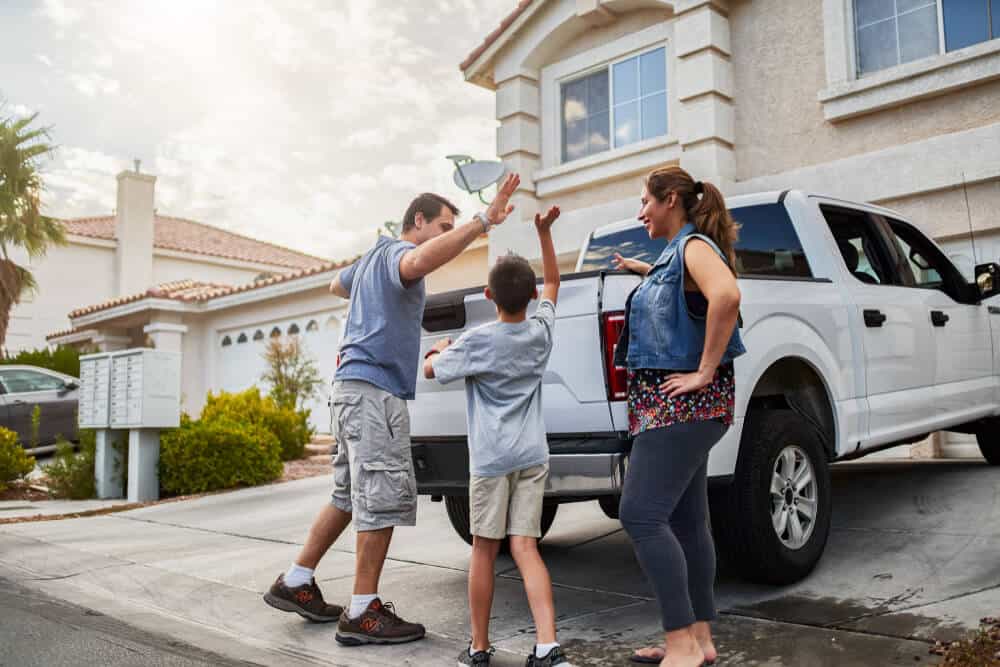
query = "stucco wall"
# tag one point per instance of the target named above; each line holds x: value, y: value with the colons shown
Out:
x: 626, y: 24
x: 779, y: 121
x: 622, y: 188
x: 68, y: 277
x: 168, y: 269
x: 467, y: 270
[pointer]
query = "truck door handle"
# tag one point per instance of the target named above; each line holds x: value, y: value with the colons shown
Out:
x: 938, y: 318
x: 874, y: 318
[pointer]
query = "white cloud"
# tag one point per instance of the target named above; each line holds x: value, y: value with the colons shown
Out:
x: 60, y: 13
x: 92, y: 83
x: 45, y: 60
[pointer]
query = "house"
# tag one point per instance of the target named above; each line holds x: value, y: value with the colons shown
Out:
x: 881, y: 101
x: 128, y: 252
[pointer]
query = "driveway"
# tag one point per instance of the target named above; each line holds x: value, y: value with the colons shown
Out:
x: 912, y: 556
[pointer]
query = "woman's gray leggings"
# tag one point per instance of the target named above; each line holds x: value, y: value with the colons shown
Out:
x: 664, y: 510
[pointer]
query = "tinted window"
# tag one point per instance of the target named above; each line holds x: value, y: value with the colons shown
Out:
x: 767, y: 245
x: 22, y: 381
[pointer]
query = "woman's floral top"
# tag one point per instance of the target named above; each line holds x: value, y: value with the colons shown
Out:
x: 649, y: 407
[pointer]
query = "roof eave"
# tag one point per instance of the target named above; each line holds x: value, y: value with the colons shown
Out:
x: 478, y: 68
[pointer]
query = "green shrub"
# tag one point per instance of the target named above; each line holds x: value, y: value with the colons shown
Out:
x: 71, y: 474
x: 62, y: 360
x: 291, y: 427
x: 14, y: 462
x: 217, y: 453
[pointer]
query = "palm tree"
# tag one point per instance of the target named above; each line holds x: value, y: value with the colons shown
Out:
x: 22, y: 224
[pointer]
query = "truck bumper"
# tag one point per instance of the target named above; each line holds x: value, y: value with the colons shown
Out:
x: 579, y: 468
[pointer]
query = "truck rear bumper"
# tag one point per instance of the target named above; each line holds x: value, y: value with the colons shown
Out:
x: 578, y: 468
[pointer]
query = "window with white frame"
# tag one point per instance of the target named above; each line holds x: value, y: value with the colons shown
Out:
x: 619, y: 104
x: 893, y: 32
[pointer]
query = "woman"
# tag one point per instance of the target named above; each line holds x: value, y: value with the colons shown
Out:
x: 679, y: 344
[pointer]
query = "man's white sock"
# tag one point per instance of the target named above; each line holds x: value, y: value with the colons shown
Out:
x: 359, y: 603
x: 542, y: 650
x: 298, y: 576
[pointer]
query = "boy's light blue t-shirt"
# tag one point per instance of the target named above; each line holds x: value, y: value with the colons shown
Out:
x: 503, y: 364
x: 381, y: 343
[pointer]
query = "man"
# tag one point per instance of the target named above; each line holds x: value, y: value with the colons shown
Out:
x: 374, y: 482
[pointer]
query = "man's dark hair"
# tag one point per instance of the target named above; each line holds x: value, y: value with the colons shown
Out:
x: 430, y: 205
x: 512, y: 282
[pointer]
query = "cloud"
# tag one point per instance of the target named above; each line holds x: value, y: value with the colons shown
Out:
x: 45, y: 60
x: 93, y: 83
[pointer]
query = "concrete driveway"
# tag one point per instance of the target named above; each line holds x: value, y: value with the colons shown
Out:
x: 913, y: 556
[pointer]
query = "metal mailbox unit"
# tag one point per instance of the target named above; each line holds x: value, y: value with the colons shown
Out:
x: 137, y: 390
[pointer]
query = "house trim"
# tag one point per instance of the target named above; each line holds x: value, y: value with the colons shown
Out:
x: 606, y: 166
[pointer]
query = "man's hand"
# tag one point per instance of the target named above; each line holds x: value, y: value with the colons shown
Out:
x: 544, y: 224
x: 633, y: 265
x: 499, y: 209
x: 438, y: 346
x: 441, y: 345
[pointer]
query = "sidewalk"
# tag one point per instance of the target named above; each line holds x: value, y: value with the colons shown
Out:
x: 196, y: 569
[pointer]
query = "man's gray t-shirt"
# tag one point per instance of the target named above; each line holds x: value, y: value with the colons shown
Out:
x: 381, y: 342
x: 503, y: 364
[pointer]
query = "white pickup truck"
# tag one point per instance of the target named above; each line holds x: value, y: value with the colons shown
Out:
x: 860, y: 335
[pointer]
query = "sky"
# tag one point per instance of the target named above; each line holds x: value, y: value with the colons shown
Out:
x: 307, y: 126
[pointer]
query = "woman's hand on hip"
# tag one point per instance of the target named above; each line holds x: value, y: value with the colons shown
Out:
x: 678, y: 384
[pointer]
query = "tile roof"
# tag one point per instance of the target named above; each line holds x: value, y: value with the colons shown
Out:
x: 183, y: 235
x: 495, y: 35
x: 193, y: 291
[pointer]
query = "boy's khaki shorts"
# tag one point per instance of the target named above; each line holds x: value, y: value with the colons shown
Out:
x: 509, y: 504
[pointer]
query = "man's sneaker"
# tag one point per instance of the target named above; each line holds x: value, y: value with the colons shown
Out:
x: 305, y: 600
x: 554, y: 657
x: 378, y: 624
x: 477, y: 659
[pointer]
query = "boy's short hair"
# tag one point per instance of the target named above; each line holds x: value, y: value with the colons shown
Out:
x: 512, y: 282
x: 430, y: 205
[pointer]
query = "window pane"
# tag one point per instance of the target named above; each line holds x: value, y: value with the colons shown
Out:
x: 995, y: 13
x: 877, y: 47
x: 632, y: 242
x: 575, y: 140
x: 597, y: 93
x: 654, y: 116
x: 966, y: 22
x: 599, y: 138
x: 574, y: 101
x: 626, y: 123
x: 627, y: 80
x: 909, y: 5
x: 869, y: 11
x: 918, y: 34
x: 653, y: 71
x: 767, y: 244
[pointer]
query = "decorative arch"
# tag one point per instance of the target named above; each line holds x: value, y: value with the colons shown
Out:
x: 275, y: 332
x: 258, y: 335
x: 293, y: 330
x: 226, y: 341
x: 313, y: 326
x: 242, y: 339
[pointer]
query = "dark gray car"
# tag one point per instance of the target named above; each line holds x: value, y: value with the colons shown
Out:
x: 55, y: 394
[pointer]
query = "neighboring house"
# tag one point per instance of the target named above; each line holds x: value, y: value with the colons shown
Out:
x: 873, y: 100
x: 129, y: 252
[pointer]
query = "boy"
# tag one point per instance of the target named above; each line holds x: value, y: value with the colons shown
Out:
x: 502, y: 363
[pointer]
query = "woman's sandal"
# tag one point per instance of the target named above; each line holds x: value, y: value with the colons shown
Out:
x: 649, y: 660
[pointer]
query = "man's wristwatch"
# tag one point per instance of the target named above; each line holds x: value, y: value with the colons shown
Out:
x: 484, y: 221
x: 431, y: 353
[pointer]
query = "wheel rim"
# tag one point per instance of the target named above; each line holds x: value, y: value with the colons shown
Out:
x: 793, y: 497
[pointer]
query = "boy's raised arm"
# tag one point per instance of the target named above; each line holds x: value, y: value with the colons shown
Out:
x: 550, y: 267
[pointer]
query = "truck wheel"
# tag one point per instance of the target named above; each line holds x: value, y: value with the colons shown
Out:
x: 989, y: 445
x: 774, y: 519
x: 458, y: 514
x: 609, y: 505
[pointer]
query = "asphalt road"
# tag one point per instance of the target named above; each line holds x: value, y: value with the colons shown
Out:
x: 39, y: 631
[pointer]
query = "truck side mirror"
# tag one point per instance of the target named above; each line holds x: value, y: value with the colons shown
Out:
x: 988, y: 280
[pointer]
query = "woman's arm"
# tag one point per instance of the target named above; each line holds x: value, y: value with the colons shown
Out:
x: 633, y: 265
x: 718, y: 284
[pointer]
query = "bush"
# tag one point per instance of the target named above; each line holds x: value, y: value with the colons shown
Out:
x: 291, y: 427
x: 64, y: 360
x: 291, y: 372
x: 71, y: 474
x: 14, y: 462
x: 217, y: 453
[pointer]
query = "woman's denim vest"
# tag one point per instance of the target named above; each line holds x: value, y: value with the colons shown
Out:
x: 660, y: 331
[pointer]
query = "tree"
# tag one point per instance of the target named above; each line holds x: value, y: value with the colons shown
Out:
x: 22, y: 224
x: 292, y: 374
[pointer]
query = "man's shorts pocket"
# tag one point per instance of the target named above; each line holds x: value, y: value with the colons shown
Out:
x: 348, y: 416
x: 387, y: 487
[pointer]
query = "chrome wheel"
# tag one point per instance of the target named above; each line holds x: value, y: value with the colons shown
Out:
x: 793, y: 497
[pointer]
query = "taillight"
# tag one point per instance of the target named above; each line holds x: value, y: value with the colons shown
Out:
x: 613, y: 324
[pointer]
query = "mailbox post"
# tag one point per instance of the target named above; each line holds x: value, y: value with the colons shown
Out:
x: 143, y: 397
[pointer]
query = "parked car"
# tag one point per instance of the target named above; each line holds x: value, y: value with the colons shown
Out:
x: 861, y: 335
x: 56, y: 395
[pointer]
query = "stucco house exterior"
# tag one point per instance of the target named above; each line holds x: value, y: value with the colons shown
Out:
x: 886, y: 101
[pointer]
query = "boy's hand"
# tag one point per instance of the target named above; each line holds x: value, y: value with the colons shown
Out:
x: 440, y: 345
x: 499, y: 209
x: 544, y: 224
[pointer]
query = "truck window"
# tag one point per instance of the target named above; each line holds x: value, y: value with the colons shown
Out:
x: 860, y: 246
x: 767, y: 245
x: 924, y: 265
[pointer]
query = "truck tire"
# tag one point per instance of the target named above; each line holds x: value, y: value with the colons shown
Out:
x: 458, y: 514
x: 764, y: 532
x: 989, y: 445
x: 609, y: 505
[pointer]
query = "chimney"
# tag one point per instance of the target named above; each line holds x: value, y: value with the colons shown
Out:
x: 134, y: 231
